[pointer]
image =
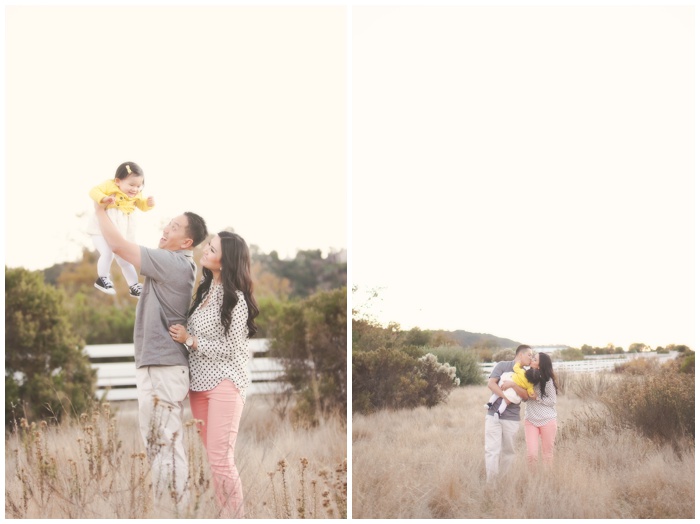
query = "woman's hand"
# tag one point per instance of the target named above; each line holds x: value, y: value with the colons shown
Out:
x: 178, y: 333
x: 108, y: 200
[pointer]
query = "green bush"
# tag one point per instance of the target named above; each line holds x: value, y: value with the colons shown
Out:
x: 440, y: 378
x: 463, y: 360
x: 688, y: 364
x: 310, y: 337
x: 46, y: 373
x: 395, y: 379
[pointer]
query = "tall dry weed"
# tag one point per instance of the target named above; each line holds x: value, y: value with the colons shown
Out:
x: 430, y: 464
x: 97, y: 467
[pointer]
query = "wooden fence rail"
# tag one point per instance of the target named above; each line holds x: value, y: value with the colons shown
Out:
x: 116, y: 372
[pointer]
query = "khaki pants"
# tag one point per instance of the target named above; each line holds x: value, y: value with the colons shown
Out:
x: 161, y: 393
x: 499, y: 445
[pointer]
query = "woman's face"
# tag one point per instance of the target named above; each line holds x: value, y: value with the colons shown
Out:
x: 211, y: 257
x: 535, y: 362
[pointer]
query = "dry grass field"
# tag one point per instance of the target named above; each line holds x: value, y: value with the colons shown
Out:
x: 429, y: 463
x: 96, y: 468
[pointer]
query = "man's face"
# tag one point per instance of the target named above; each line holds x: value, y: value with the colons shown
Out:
x: 175, y: 235
x: 526, y: 357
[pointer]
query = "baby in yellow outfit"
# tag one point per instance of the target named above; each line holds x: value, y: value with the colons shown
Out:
x: 122, y: 195
x: 526, y: 379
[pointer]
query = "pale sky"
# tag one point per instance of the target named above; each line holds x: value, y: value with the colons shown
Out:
x: 527, y: 171
x: 521, y: 171
x: 235, y: 112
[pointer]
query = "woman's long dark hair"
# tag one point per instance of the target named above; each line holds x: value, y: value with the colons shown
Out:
x: 547, y: 372
x: 235, y: 276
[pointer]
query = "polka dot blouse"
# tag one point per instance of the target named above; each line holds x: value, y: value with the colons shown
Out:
x: 542, y: 410
x: 219, y: 356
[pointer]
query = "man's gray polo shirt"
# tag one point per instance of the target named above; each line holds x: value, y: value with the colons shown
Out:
x: 512, y: 412
x: 165, y: 300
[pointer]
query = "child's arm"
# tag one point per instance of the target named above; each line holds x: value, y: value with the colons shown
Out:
x: 145, y: 204
x: 129, y: 251
x: 101, y: 194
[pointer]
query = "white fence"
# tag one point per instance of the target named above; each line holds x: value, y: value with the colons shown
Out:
x: 594, y: 364
x: 116, y: 377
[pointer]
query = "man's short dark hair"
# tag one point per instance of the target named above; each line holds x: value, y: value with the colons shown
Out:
x: 196, y: 228
x: 521, y: 348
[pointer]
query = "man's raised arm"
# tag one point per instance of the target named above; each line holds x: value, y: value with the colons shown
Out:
x: 120, y: 246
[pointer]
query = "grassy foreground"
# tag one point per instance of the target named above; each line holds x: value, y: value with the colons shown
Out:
x: 96, y: 468
x: 429, y: 463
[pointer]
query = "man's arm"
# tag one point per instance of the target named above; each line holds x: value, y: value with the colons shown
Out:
x: 129, y: 251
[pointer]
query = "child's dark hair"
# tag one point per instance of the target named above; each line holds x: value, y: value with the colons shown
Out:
x: 128, y: 168
x: 533, y: 376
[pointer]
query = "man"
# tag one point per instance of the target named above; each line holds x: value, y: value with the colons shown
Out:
x: 162, y: 368
x: 500, y: 431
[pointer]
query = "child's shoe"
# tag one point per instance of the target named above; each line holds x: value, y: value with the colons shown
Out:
x: 105, y: 285
x: 135, y: 290
x: 488, y: 405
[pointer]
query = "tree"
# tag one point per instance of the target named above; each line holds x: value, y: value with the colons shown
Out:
x: 310, y: 336
x: 638, y: 347
x: 308, y: 272
x: 569, y: 354
x: 46, y: 373
x: 416, y: 337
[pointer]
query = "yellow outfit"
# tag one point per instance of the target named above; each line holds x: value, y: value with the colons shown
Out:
x: 520, y: 380
x: 123, y: 203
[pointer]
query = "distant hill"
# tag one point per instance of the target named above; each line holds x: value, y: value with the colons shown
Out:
x: 467, y: 339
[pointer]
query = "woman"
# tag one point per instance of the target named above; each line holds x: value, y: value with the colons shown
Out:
x: 220, y: 321
x: 541, y: 413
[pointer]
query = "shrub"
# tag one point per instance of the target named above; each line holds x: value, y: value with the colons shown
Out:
x: 464, y: 361
x: 688, y: 364
x: 440, y: 378
x: 636, y: 366
x: 503, y: 355
x: 394, y: 379
x: 660, y: 404
x: 385, y: 378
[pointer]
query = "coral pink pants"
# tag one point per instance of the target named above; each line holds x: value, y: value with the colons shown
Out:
x: 220, y: 409
x: 533, y: 434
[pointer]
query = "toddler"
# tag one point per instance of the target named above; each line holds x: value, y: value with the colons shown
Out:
x: 525, y: 379
x: 122, y: 196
